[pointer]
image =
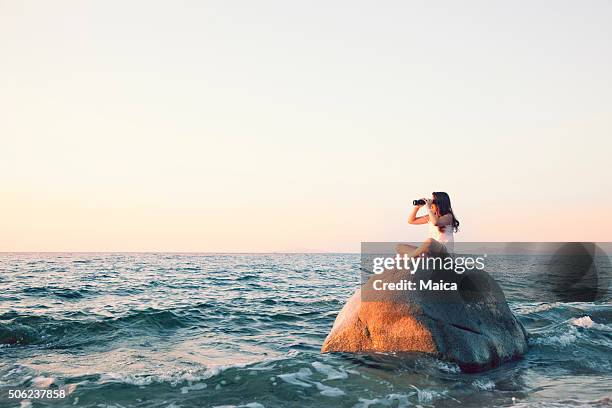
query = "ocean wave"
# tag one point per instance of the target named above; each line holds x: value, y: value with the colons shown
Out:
x: 171, y: 378
x: 329, y: 391
x: 18, y: 329
x: 18, y: 334
x: 157, y: 338
x: 299, y: 378
x: 448, y: 367
x: 483, y: 385
x: 587, y: 323
x: 566, y: 333
x: 330, y: 372
x: 575, y: 403
x: 540, y: 307
x: 222, y: 372
x: 420, y: 396
x: 60, y: 292
x: 562, y: 339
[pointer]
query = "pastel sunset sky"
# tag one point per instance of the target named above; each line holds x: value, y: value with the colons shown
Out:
x: 255, y: 126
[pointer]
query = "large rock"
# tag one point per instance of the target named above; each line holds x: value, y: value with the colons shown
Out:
x: 471, y: 326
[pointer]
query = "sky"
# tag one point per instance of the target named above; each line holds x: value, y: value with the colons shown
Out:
x: 241, y: 126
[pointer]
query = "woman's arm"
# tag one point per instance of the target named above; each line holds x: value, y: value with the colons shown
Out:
x: 414, y: 220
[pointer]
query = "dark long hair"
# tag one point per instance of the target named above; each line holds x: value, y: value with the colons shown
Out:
x: 442, y: 201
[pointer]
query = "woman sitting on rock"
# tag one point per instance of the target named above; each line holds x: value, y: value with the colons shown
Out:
x: 442, y: 224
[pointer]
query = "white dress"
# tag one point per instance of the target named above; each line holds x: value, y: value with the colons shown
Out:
x: 446, y: 238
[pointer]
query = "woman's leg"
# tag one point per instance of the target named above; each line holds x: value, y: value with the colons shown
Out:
x: 429, y: 246
x: 405, y: 249
x: 424, y: 248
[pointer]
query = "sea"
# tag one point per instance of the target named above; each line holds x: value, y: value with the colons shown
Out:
x: 244, y: 330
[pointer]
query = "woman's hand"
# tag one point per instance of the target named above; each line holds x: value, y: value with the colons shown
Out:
x: 433, y: 216
x: 413, y: 219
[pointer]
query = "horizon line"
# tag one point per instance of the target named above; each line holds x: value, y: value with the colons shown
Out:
x: 176, y: 252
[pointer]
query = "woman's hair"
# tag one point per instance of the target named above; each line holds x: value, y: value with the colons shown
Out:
x: 442, y: 201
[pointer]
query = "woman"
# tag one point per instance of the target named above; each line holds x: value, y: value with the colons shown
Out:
x: 442, y: 224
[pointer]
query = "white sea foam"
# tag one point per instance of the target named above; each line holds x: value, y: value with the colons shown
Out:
x: 329, y: 371
x: 126, y: 378
x: 563, y: 339
x: 483, y: 385
x: 399, y: 400
x: 42, y: 382
x: 329, y: 391
x: 542, y: 307
x: 195, y: 387
x: 298, y: 378
x: 262, y: 368
x: 584, y: 321
x: 587, y: 323
x: 396, y: 400
x: 425, y: 397
x: 365, y: 403
x: 572, y: 333
x: 70, y: 388
x: 603, y: 402
x: 448, y: 367
x: 428, y: 396
x: 173, y: 379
